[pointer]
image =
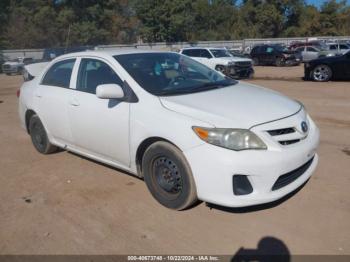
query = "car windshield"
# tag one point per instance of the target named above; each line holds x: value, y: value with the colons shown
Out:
x: 220, y: 53
x: 281, y: 48
x: 165, y: 74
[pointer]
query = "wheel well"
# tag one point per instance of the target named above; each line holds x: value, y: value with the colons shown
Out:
x: 218, y: 66
x: 29, y: 114
x: 142, y: 149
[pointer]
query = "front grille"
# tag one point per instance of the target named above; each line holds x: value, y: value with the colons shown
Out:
x: 6, y: 67
x: 283, y: 131
x: 289, y: 142
x: 289, y: 177
x: 244, y: 64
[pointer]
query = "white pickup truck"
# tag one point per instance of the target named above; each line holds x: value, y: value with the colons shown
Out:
x: 221, y: 60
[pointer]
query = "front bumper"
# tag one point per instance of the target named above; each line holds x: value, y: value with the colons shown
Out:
x: 9, y: 70
x: 213, y: 168
x: 239, y: 72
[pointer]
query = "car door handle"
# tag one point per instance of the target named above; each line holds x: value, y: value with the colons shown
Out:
x: 37, y: 94
x: 74, y: 102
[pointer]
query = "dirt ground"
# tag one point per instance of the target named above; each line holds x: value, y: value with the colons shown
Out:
x: 66, y: 204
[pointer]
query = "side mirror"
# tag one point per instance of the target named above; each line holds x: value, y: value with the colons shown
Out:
x: 109, y: 91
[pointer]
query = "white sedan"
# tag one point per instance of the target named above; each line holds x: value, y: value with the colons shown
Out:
x: 190, y: 132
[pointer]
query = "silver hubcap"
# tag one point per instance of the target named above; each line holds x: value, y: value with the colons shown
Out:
x: 321, y: 73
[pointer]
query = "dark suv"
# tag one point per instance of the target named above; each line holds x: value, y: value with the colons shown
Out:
x: 274, y: 55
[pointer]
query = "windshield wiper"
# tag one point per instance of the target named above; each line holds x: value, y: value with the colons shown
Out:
x: 200, y: 88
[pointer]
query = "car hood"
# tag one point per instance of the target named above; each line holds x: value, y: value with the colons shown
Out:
x: 232, y: 59
x: 239, y: 106
x: 327, y: 59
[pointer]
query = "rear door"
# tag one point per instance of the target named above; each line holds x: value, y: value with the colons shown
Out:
x: 269, y: 54
x: 51, y: 100
x: 99, y: 126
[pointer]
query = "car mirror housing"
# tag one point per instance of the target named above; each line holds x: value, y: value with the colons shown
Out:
x: 109, y: 91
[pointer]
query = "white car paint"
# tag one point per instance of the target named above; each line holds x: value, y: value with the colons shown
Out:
x: 36, y: 68
x: 111, y: 132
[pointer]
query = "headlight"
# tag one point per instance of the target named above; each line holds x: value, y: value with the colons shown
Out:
x: 330, y: 54
x: 234, y: 139
x: 231, y: 63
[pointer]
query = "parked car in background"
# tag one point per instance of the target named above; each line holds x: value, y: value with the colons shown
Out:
x: 16, y: 66
x: 337, y: 47
x: 189, y: 131
x: 221, y: 60
x: 308, y: 53
x: 48, y: 55
x: 314, y: 43
x: 236, y: 53
x: 311, y: 52
x: 51, y: 53
x: 328, y: 68
x: 274, y: 54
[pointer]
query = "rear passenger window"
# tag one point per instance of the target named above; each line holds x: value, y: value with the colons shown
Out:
x: 205, y: 53
x: 59, y: 74
x: 269, y: 49
x: 92, y: 73
x: 192, y: 52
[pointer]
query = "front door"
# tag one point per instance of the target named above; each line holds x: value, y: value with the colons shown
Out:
x: 99, y: 126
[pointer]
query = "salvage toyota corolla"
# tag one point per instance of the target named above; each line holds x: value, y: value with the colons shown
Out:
x: 188, y: 130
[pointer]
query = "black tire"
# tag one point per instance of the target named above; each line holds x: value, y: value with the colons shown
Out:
x: 168, y: 176
x: 39, y: 137
x: 321, y: 73
x: 280, y: 61
x: 256, y: 61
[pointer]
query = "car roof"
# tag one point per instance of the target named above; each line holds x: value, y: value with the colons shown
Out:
x: 198, y: 47
x: 111, y: 52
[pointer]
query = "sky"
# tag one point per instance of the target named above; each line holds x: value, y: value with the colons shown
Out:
x: 319, y: 2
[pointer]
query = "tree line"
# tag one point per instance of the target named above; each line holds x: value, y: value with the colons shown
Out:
x: 54, y: 23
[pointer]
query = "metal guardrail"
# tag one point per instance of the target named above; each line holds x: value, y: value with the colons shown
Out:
x: 242, y: 45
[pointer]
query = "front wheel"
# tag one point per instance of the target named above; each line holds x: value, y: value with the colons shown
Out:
x: 39, y: 137
x: 168, y: 176
x: 321, y: 73
x: 280, y: 61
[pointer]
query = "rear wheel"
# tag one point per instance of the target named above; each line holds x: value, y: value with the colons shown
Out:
x: 39, y: 137
x: 255, y: 61
x: 280, y: 61
x: 321, y: 73
x: 168, y: 176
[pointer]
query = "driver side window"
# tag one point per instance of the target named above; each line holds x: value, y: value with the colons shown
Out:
x: 92, y: 73
x: 205, y: 53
